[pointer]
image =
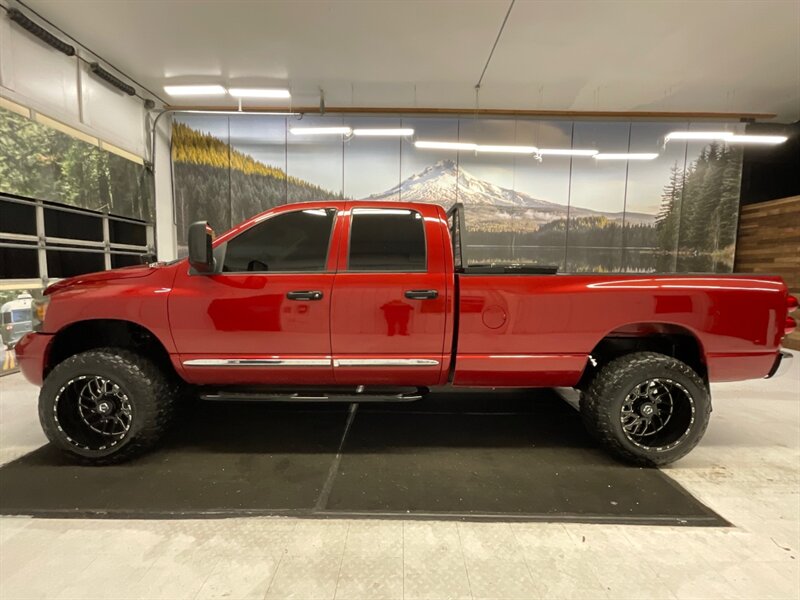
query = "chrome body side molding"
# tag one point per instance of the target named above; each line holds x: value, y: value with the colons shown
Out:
x: 258, y: 362
x: 310, y: 362
x: 385, y: 362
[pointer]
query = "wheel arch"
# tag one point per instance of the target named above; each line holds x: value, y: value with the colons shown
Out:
x: 90, y: 334
x: 670, y: 339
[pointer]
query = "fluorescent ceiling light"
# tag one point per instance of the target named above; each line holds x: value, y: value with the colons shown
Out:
x: 195, y: 90
x: 757, y: 139
x: 633, y: 156
x: 434, y: 145
x: 400, y: 132
x: 508, y: 149
x: 725, y: 136
x: 241, y: 112
x: 698, y: 135
x: 259, y: 93
x: 445, y: 145
x: 566, y: 152
x: 321, y: 130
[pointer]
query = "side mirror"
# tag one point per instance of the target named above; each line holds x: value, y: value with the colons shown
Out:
x: 201, y: 257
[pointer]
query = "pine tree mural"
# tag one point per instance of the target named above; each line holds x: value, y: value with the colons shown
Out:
x: 729, y: 198
x: 699, y: 211
x: 668, y: 214
x: 220, y: 184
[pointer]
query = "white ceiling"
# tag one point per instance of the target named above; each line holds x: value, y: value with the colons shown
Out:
x: 720, y: 56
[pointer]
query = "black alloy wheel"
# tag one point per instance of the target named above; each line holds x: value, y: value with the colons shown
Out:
x: 107, y: 405
x: 93, y: 412
x: 646, y: 408
x: 657, y: 413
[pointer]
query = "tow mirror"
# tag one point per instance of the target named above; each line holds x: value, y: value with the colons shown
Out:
x: 201, y: 257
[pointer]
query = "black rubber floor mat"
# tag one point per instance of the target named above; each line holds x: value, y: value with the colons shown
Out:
x: 226, y: 459
x: 472, y: 455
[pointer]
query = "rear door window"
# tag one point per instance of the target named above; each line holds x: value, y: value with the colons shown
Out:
x: 387, y: 240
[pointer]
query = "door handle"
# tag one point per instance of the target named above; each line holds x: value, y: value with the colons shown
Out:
x: 304, y: 295
x: 422, y: 294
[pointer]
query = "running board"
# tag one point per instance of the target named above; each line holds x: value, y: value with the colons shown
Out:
x: 314, y: 396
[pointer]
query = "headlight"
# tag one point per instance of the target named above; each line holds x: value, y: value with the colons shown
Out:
x: 38, y: 311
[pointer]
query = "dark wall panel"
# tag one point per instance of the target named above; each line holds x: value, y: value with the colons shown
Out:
x: 769, y: 242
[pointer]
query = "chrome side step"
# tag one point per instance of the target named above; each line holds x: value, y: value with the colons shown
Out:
x: 255, y: 396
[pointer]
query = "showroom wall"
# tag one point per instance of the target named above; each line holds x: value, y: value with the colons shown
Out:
x: 769, y: 242
x: 68, y: 205
x: 75, y: 190
x: 676, y: 213
x: 41, y: 78
x: 65, y: 134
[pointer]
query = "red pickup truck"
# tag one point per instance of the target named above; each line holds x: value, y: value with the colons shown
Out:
x: 372, y: 301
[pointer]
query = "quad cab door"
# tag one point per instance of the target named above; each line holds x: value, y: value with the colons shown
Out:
x: 264, y: 318
x: 389, y: 307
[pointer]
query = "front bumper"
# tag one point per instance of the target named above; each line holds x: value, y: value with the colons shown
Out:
x: 783, y: 363
x: 31, y: 353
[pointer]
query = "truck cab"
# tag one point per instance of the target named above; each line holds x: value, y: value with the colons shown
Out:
x: 335, y: 293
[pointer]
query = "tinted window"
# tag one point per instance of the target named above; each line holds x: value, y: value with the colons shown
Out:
x: 125, y: 232
x: 127, y: 260
x: 73, y: 225
x: 17, y: 218
x: 66, y: 263
x: 19, y: 263
x: 295, y: 241
x: 387, y: 240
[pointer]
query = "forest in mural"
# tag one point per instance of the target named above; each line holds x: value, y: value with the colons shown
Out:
x: 678, y: 214
x: 700, y: 208
x: 39, y: 162
x: 208, y: 173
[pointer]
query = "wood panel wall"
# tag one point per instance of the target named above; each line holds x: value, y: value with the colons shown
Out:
x: 769, y: 243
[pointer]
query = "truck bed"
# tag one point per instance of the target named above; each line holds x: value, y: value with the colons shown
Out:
x: 540, y: 330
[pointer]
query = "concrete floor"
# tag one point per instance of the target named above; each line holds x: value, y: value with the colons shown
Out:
x: 747, y: 469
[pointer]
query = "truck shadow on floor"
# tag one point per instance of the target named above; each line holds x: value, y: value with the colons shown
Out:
x: 521, y: 454
x: 522, y: 419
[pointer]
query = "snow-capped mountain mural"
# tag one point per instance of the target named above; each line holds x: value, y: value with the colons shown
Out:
x: 445, y: 182
x: 680, y: 210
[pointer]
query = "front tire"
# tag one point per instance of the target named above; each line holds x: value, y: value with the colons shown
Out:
x: 106, y: 406
x: 647, y: 408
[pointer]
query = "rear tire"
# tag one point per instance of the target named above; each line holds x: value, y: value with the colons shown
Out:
x: 646, y: 408
x: 106, y: 406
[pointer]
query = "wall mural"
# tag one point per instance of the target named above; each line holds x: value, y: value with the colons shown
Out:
x: 676, y: 213
x: 43, y: 163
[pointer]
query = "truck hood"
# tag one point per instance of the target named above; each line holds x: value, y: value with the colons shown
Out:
x: 102, y: 276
